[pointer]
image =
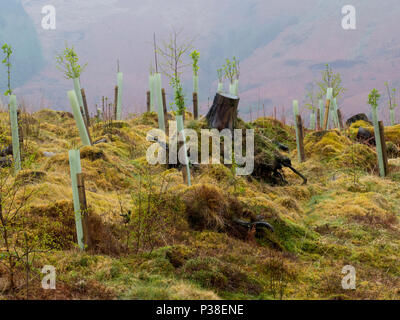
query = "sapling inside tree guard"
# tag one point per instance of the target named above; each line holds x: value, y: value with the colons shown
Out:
x: 310, y: 98
x: 157, y: 88
x: 231, y: 69
x: 195, y: 55
x: 373, y: 100
x: 7, y: 50
x: 330, y: 80
x: 68, y: 63
x: 392, y: 103
x: 173, y: 52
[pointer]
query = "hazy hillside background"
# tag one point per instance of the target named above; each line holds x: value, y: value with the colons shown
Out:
x: 283, y: 45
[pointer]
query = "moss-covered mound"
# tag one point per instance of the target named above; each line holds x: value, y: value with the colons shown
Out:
x: 153, y: 237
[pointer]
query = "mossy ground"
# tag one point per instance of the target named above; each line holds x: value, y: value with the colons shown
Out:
x: 345, y: 215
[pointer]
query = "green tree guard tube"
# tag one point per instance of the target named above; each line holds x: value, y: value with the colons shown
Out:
x: 312, y: 121
x: 334, y: 112
x: 220, y: 87
x: 119, y: 100
x: 75, y: 168
x: 78, y: 92
x: 15, y: 134
x: 232, y: 89
x: 236, y: 88
x: 196, y: 84
x: 321, y: 111
x: 160, y: 106
x: 295, y: 113
x: 392, y: 117
x: 329, y: 94
x: 378, y: 141
x: 180, y: 127
x: 78, y: 118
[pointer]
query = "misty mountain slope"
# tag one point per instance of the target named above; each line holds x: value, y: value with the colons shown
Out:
x: 17, y: 30
x: 282, y: 45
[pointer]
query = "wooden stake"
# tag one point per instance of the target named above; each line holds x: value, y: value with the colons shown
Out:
x: 84, y: 210
x: 164, y: 101
x: 85, y: 107
x: 299, y: 124
x: 318, y: 128
x: 326, y: 119
x: 86, y: 126
x: 148, y: 101
x: 115, y: 102
x: 339, y: 114
x: 383, y: 146
x: 195, y: 106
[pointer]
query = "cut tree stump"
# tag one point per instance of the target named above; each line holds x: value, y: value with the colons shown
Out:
x: 223, y: 112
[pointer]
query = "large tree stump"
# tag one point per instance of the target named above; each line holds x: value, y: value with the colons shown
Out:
x: 223, y: 112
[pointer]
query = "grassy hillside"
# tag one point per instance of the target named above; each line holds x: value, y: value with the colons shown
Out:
x: 345, y: 215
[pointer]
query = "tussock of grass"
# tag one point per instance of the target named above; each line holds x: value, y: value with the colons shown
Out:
x: 192, y: 250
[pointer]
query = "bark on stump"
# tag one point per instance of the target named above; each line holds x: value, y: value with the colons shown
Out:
x: 223, y: 112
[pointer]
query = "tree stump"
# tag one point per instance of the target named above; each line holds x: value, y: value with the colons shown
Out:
x: 223, y: 112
